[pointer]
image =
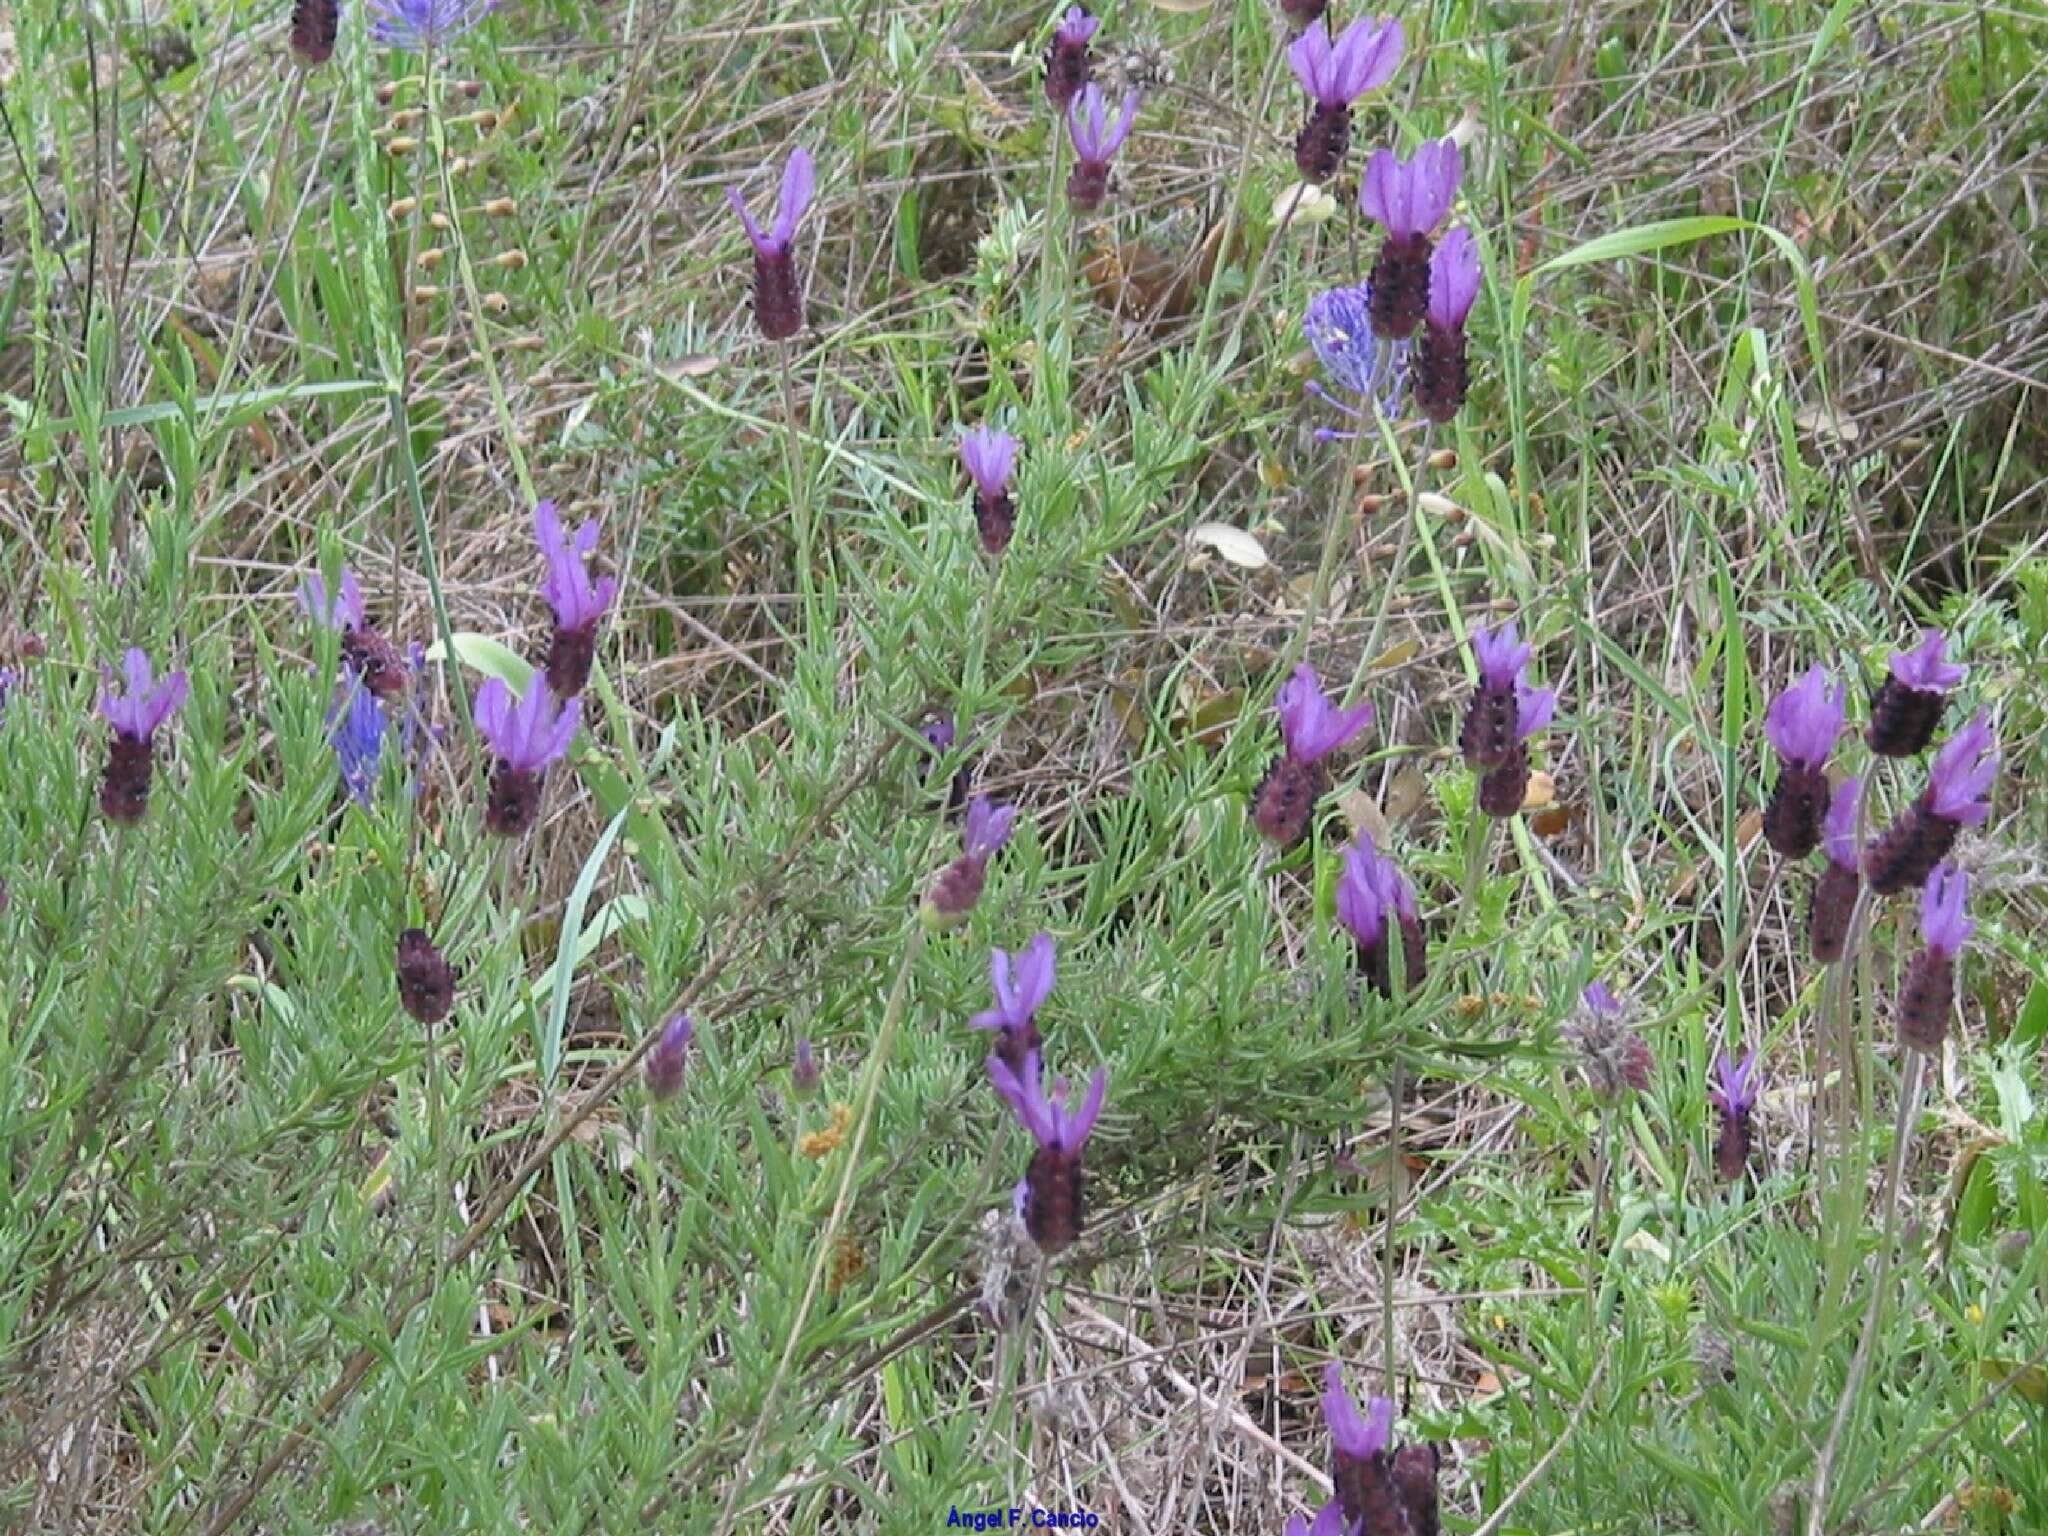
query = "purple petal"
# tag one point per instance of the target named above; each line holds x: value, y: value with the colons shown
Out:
x: 799, y: 179
x: 1963, y: 772
x: 1076, y: 1128
x: 1924, y: 668
x: 1534, y: 708
x: 1839, y: 830
x: 1376, y: 187
x: 1501, y: 655
x: 1453, y: 279
x: 755, y: 234
x: 1309, y: 57
x: 1942, y: 901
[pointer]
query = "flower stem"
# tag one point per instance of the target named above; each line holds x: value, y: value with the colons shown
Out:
x: 871, y: 1083
x: 793, y: 459
x: 1902, y: 1136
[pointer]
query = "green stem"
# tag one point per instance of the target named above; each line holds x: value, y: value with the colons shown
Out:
x: 871, y: 1084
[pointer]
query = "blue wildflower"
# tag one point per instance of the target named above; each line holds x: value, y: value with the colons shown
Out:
x: 1338, y: 325
x: 422, y: 26
x: 356, y: 732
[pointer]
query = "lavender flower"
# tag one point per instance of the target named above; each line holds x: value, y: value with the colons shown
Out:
x: 1503, y: 790
x: 426, y: 981
x: 671, y: 1053
x: 1360, y: 1464
x: 1834, y: 898
x: 578, y: 602
x: 315, y: 25
x: 1957, y: 787
x: 957, y: 890
x: 424, y: 26
x: 1329, y: 1521
x: 1066, y: 57
x: 1487, y: 738
x: 939, y: 734
x: 526, y: 736
x: 1440, y: 370
x: 1735, y: 1097
x: 1050, y: 1196
x: 1311, y: 729
x: 356, y: 732
x: 1416, y: 1469
x: 364, y: 651
x: 778, y: 295
x: 1338, y: 325
x: 1363, y: 58
x: 1018, y: 999
x: 804, y: 1075
x: 1409, y: 199
x: 1927, y: 994
x: 1096, y: 141
x: 1802, y: 724
x: 1370, y: 892
x: 1615, y: 1059
x: 135, y: 717
x: 1908, y: 707
x: 991, y: 458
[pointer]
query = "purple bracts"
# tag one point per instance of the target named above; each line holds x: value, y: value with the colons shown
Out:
x: 1335, y: 75
x: 1734, y: 1096
x: 578, y: 602
x: 1927, y: 994
x: 1311, y: 728
x: 527, y: 737
x: 1409, y: 199
x: 1487, y: 737
x: 1834, y: 898
x: 1051, y: 1196
x: 1907, y: 708
x: 135, y: 716
x: 1802, y: 723
x: 1956, y: 797
x: 1066, y: 57
x: 1096, y: 141
x: 1440, y: 372
x: 1361, y: 1466
x: 1019, y: 996
x: 958, y: 889
x: 991, y: 459
x: 671, y: 1053
x: 1373, y: 894
x: 778, y: 295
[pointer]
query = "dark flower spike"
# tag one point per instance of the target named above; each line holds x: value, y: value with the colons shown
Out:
x: 1304, y: 13
x: 1019, y: 996
x: 356, y: 733
x: 1361, y: 1467
x: 1615, y: 1059
x: 1371, y: 891
x: 426, y: 981
x: 1416, y: 1468
x: 1338, y: 325
x: 1487, y: 737
x: 423, y: 26
x: 1096, y: 141
x: 1928, y: 993
x: 1908, y: 707
x: 1440, y: 371
x: 578, y: 602
x: 526, y: 736
x: 1803, y: 724
x: 991, y: 458
x: 1050, y: 1198
x: 135, y: 716
x: 804, y: 1076
x: 364, y: 651
x: 1311, y: 728
x: 1834, y: 898
x: 670, y: 1055
x: 958, y: 889
x: 1066, y: 57
x: 778, y: 296
x: 1503, y: 790
x: 1735, y: 1096
x: 1957, y: 786
x: 315, y: 26
x: 1409, y: 199
x: 1363, y: 58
